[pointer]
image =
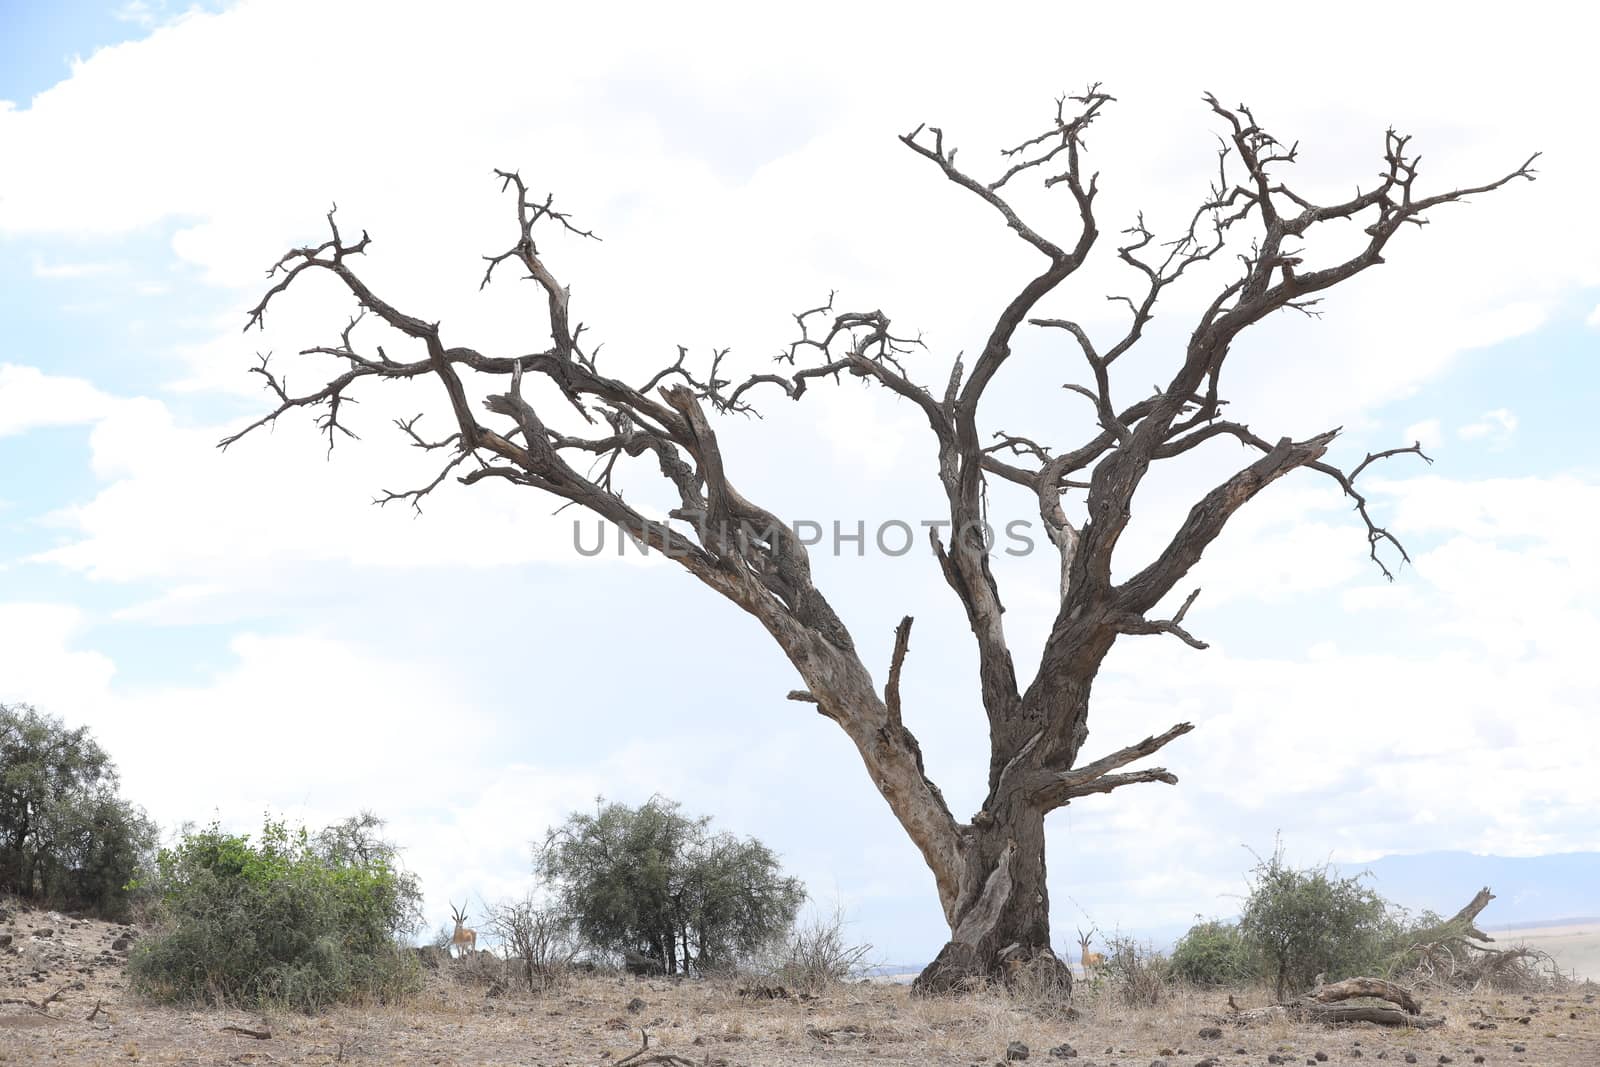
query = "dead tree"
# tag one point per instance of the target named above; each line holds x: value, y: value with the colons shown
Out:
x: 989, y: 870
x: 1325, y: 1004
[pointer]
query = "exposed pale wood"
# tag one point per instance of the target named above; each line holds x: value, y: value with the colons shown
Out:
x: 1325, y: 1004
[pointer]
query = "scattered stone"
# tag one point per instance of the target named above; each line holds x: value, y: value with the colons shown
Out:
x: 1519, y: 1048
x: 1478, y: 1058
x: 1411, y: 1057
x: 1274, y: 1058
x: 1064, y: 1052
x: 1321, y: 1057
x: 121, y: 944
x: 636, y: 1005
x: 1211, y: 1032
x: 45, y: 932
x: 5, y: 940
x: 1016, y: 1050
x: 1445, y: 1059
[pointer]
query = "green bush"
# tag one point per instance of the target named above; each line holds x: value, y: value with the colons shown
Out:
x: 289, y: 920
x: 67, y: 839
x: 1309, y: 921
x: 661, y: 890
x: 1214, y: 953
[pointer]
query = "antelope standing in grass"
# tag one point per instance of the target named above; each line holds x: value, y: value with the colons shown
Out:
x: 467, y: 939
x: 1092, y: 961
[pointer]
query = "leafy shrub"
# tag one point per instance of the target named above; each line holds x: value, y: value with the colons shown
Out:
x: 289, y: 919
x: 1311, y: 921
x: 660, y: 889
x: 1214, y: 953
x: 67, y: 839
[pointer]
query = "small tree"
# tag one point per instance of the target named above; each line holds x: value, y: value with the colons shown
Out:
x: 538, y: 938
x: 358, y: 842
x: 1311, y: 921
x: 655, y: 882
x: 67, y: 839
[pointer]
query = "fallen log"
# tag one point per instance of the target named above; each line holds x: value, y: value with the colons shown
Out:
x: 1325, y: 1005
x: 1367, y: 987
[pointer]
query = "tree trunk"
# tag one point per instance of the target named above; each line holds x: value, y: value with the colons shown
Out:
x: 1002, y: 920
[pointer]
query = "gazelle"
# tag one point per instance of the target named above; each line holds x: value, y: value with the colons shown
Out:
x: 1092, y: 961
x: 468, y: 939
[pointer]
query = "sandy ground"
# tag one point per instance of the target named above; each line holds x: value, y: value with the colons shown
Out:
x: 1576, y: 949
x: 598, y: 1021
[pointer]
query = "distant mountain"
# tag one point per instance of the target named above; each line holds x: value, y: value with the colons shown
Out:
x: 1527, y: 889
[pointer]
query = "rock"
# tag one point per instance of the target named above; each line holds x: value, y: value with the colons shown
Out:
x: 1445, y: 1059
x: 45, y: 932
x: 1411, y: 1057
x: 5, y: 940
x: 121, y: 944
x: 636, y: 1005
x: 1322, y: 1057
x: 1064, y: 1052
x: 1478, y: 1058
x: 1519, y: 1048
x: 1211, y: 1032
x: 1016, y: 1050
x: 1274, y: 1058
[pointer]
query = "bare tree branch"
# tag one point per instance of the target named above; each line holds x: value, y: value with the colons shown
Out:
x: 580, y: 443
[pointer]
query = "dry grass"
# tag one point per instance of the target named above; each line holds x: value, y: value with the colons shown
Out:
x: 595, y: 1020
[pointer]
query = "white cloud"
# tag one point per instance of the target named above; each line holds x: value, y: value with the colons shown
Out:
x: 1428, y: 433
x: 70, y: 270
x: 1346, y: 747
x: 1495, y: 426
x: 30, y: 398
x: 717, y: 247
x: 177, y: 508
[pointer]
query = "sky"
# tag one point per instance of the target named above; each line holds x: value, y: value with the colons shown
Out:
x: 247, y: 633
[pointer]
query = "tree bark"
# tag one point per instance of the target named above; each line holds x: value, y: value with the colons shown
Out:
x: 989, y: 872
x: 1002, y: 919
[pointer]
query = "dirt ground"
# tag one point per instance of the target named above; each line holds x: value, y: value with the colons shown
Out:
x: 598, y: 1021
